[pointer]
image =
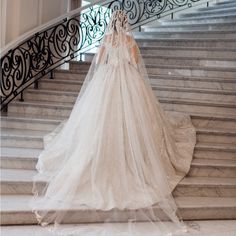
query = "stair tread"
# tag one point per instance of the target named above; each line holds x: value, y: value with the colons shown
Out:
x: 161, y: 99
x: 22, y: 175
x: 186, y: 67
x: 226, y: 146
x: 208, y: 181
x: 208, y: 202
x: 219, y: 15
x: 40, y: 133
x: 20, y: 203
x: 160, y: 76
x: 156, y: 87
x: 195, y: 24
x: 196, y: 58
x: 60, y: 81
x: 224, y: 31
x: 214, y: 162
x: 40, y: 103
x: 12, y: 152
x: 212, y: 68
x: 27, y: 119
x: 17, y: 175
x: 216, y: 131
x: 31, y: 117
x: 22, y: 132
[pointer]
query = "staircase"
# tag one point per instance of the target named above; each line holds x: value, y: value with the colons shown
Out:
x: 191, y: 62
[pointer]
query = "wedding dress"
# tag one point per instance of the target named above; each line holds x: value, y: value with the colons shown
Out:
x: 118, y: 150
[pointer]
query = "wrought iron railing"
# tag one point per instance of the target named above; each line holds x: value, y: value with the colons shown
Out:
x: 47, y: 49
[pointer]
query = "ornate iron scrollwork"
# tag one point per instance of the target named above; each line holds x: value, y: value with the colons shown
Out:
x: 48, y: 49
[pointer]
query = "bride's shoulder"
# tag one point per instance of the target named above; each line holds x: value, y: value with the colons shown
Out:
x: 130, y: 40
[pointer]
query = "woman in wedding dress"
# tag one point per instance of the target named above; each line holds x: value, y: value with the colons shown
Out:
x: 119, y: 151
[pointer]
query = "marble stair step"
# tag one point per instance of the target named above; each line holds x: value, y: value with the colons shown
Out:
x: 208, y: 19
x: 224, y: 2
x: 191, y: 27
x: 206, y: 187
x: 65, y: 86
x: 216, y: 136
x: 172, y: 70
x: 51, y: 118
x: 194, y: 93
x: 28, y: 123
x: 152, y: 60
x: 26, y: 158
x: 214, y: 12
x: 200, y: 120
x: 213, y: 121
x: 63, y: 109
x: 215, y: 151
x: 191, y: 52
x: 57, y: 93
x: 12, y: 137
x: 22, y: 138
x: 158, y: 80
x: 220, y: 5
x: 19, y: 181
x: 154, y: 33
x: 163, y: 55
x: 193, y: 82
x: 221, y: 227
x: 220, y: 27
x: 204, y: 62
x: 15, y: 210
x: 213, y: 168
x: 193, y: 105
x: 183, y: 60
x: 19, y: 158
x: 188, y: 42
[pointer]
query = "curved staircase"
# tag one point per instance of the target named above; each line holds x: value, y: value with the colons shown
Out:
x: 191, y: 62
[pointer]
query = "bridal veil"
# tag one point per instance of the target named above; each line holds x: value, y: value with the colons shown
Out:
x: 119, y: 155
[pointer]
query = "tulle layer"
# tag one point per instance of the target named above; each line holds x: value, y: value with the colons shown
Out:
x: 118, y: 150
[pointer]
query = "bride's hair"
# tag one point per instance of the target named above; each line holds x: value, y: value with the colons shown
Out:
x: 119, y: 20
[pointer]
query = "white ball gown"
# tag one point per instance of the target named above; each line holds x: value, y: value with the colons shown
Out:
x: 118, y: 151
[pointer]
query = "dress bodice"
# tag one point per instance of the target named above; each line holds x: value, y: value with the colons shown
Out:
x: 118, y: 51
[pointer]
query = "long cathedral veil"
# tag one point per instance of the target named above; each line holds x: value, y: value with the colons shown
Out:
x: 158, y: 212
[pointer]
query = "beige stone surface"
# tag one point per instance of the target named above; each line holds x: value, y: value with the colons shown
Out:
x: 196, y: 228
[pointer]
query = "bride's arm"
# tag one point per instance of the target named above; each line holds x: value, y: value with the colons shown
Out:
x: 134, y: 50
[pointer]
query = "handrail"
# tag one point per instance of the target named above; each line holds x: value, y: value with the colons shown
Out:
x: 70, y: 35
x: 42, y: 27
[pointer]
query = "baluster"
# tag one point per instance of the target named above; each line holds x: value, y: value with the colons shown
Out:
x: 51, y: 75
x: 36, y: 84
x: 4, y: 108
x: 21, y: 97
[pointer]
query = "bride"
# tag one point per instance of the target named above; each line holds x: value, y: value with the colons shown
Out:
x: 119, y: 151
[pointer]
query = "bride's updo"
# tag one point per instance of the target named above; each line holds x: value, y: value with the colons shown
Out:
x: 119, y: 21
